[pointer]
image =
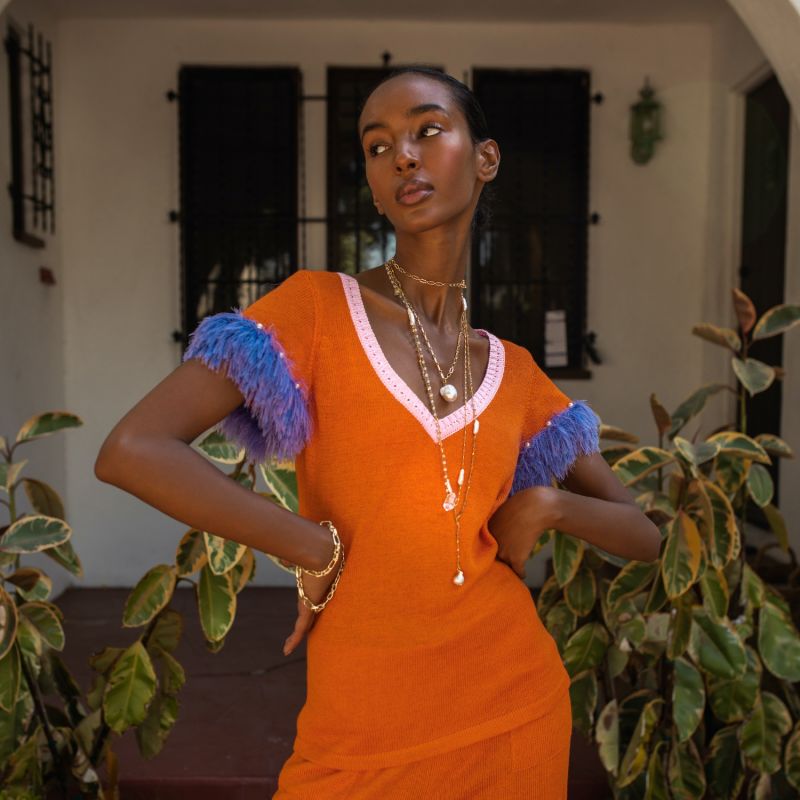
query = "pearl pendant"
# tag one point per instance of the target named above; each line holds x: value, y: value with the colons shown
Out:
x: 458, y: 580
x: 449, y: 501
x: 449, y: 392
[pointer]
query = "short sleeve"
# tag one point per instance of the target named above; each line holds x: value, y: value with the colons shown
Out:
x: 556, y: 430
x: 267, y: 349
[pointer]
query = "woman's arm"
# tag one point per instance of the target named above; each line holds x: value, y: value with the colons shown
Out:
x: 597, y: 508
x: 148, y: 454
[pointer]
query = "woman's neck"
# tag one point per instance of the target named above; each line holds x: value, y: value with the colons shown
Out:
x: 439, y: 305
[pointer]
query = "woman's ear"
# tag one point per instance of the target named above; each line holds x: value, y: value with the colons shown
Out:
x: 488, y: 160
x: 378, y: 205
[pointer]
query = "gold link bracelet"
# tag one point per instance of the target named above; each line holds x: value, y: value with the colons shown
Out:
x: 319, y: 573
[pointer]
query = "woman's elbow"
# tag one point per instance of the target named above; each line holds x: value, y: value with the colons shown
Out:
x: 109, y: 457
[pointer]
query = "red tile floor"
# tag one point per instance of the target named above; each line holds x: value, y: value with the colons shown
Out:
x: 238, y: 708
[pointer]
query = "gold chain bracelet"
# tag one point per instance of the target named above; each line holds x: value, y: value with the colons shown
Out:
x: 317, y: 607
x: 337, y: 546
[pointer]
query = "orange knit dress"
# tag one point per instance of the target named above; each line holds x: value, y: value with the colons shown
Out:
x: 416, y: 687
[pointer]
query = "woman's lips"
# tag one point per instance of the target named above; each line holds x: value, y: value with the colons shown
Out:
x: 415, y: 197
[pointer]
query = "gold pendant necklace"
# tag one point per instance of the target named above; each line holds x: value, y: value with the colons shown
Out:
x: 451, y: 498
x: 447, y: 391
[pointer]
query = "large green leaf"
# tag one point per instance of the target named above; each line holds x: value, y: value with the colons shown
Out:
x: 725, y: 337
x: 733, y: 443
x: 567, y: 555
x: 715, y: 647
x: 714, y: 587
x: 583, y: 698
x: 696, y: 454
x: 722, y: 536
x: 47, y: 423
x: 560, y: 622
x: 586, y: 648
x: 640, y: 463
x: 152, y: 592
x: 45, y: 618
x: 10, y: 676
x: 774, y: 445
x: 687, y: 780
x: 680, y: 563
x: 217, y: 447
x: 31, y: 583
x: 243, y: 571
x: 9, y: 621
x: 680, y: 627
x: 656, y: 774
x: 191, y: 553
x: 216, y: 602
x: 130, y: 688
x: 167, y: 630
x: 688, y: 698
x: 607, y: 736
x: 777, y: 319
x: 65, y: 556
x: 223, y: 554
x: 282, y: 483
x: 755, y: 375
x: 693, y: 405
x: 724, y: 768
x: 43, y: 498
x: 633, y: 578
x: 778, y: 525
x: 581, y: 592
x: 761, y: 734
x: 759, y: 485
x: 778, y: 642
x: 162, y: 714
x: 636, y: 755
x: 791, y: 758
x: 34, y: 533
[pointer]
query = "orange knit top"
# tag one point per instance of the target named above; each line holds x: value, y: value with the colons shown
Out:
x: 402, y: 663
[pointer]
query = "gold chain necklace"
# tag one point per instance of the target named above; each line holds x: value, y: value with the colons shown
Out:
x: 451, y: 499
x: 447, y: 390
x: 462, y: 284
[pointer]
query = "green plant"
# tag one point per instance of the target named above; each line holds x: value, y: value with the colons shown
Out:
x: 683, y: 670
x: 44, y: 744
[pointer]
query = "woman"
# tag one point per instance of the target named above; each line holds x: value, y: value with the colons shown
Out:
x: 430, y: 673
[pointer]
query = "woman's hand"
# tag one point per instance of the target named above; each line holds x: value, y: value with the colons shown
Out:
x: 520, y: 521
x: 316, y: 589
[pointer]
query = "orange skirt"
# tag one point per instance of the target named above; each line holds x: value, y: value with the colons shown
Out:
x: 529, y: 762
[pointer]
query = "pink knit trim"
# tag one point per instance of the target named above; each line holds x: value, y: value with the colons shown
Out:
x: 453, y: 422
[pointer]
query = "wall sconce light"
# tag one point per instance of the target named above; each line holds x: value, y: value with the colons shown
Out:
x: 645, y: 128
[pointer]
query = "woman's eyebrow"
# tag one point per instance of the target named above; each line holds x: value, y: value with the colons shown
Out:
x: 414, y: 111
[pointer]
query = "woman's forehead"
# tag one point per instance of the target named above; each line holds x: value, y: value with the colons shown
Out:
x: 404, y: 92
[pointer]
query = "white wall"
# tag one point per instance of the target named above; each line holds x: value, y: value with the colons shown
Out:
x: 649, y: 263
x: 31, y: 320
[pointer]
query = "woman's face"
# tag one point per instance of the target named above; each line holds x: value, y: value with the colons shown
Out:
x: 412, y: 130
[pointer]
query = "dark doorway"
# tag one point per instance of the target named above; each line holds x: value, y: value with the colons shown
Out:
x: 763, y: 244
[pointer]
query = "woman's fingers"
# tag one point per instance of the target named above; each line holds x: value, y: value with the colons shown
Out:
x: 303, y: 623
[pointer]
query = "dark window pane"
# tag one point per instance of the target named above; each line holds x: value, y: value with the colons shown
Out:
x: 532, y: 258
x: 239, y: 167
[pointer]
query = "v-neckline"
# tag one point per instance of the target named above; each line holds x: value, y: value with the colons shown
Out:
x: 400, y: 390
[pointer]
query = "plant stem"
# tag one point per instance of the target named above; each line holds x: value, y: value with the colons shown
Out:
x: 41, y: 713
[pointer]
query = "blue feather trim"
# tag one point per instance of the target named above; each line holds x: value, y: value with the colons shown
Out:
x: 274, y: 418
x: 551, y: 451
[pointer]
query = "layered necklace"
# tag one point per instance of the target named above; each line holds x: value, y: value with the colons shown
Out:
x: 449, y: 393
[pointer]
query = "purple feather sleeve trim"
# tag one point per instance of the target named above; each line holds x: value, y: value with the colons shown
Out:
x: 274, y: 419
x: 551, y: 451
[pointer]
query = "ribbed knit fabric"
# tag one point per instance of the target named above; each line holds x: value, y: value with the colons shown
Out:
x: 402, y: 664
x: 529, y: 762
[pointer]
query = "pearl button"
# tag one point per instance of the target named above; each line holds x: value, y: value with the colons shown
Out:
x: 297, y: 386
x: 259, y: 325
x: 571, y: 403
x: 280, y: 355
x: 527, y: 444
x: 549, y: 422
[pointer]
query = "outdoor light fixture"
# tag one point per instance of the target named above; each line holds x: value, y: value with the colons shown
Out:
x: 645, y: 125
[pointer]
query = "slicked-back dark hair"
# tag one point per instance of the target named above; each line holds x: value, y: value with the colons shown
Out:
x: 465, y: 99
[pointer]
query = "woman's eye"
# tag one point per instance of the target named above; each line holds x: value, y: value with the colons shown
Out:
x: 434, y: 127
x: 372, y: 149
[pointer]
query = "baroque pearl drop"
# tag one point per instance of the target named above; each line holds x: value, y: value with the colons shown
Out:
x: 410, y: 315
x: 461, y: 476
x: 449, y: 392
x: 476, y: 426
x: 458, y: 580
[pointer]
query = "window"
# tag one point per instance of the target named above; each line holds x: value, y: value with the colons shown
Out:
x: 528, y: 267
x: 358, y: 237
x: 238, y: 184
